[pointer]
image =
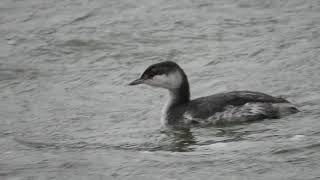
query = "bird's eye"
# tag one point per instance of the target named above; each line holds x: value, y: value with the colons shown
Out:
x: 153, y: 71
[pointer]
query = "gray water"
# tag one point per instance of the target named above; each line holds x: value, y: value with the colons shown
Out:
x: 67, y: 113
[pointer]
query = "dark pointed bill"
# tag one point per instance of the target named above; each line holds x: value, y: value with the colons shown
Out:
x: 135, y: 82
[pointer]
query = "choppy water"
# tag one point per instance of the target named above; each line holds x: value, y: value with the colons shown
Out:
x: 66, y: 112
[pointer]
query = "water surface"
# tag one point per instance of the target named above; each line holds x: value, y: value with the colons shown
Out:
x: 67, y: 113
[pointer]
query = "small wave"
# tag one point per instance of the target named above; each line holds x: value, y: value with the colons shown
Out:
x: 51, y: 145
x: 87, y: 146
x: 296, y: 149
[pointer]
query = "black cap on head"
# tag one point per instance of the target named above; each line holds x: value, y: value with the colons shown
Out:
x: 156, y: 69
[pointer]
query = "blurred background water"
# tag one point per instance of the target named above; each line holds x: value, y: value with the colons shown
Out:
x: 66, y: 111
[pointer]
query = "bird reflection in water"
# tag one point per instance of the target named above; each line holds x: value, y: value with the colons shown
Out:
x: 178, y: 140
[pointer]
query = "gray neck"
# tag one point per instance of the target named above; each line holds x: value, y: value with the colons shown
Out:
x: 177, y: 97
x: 180, y: 95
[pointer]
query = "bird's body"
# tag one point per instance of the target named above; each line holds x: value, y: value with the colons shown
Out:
x: 222, y: 108
x: 227, y: 108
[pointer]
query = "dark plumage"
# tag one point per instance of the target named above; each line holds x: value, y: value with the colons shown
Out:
x: 230, y: 107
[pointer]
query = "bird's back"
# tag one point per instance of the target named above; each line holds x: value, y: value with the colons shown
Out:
x: 233, y: 107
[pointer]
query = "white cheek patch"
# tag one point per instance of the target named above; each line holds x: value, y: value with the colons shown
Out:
x: 160, y: 78
x: 170, y: 81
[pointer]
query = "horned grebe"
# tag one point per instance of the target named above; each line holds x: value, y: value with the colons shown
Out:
x: 222, y: 108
